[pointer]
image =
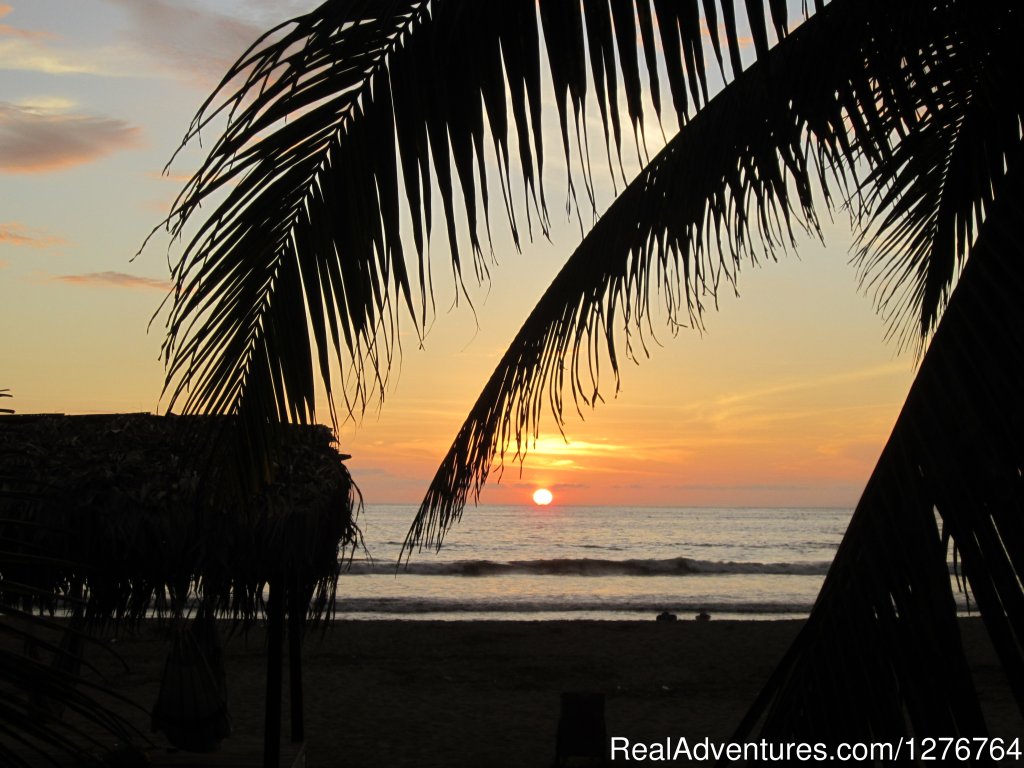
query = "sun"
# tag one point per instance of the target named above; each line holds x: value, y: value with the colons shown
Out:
x: 542, y: 497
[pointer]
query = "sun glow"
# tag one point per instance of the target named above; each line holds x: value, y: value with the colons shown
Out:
x: 542, y: 497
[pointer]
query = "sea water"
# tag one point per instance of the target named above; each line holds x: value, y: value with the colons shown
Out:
x: 559, y: 562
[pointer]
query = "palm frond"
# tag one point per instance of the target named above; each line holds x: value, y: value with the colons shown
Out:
x: 883, y: 631
x: 337, y: 116
x: 937, y: 188
x: 43, y: 736
x: 907, y: 112
x: 838, y: 97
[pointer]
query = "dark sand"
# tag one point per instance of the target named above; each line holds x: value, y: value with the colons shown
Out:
x: 394, y: 693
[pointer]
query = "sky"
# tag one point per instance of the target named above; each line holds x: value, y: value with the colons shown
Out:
x: 784, y: 399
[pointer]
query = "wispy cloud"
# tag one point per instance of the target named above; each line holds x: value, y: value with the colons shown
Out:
x: 181, y: 40
x: 41, y: 50
x: 828, y: 380
x: 114, y: 280
x: 37, y: 140
x: 6, y: 30
x: 556, y: 445
x: 21, y: 54
x: 16, y: 234
x: 47, y: 104
x: 185, y: 40
x: 555, y: 452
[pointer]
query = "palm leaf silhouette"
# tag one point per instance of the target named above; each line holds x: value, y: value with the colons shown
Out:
x: 738, y: 180
x: 864, y: 666
x: 903, y: 111
x: 332, y: 119
x: 906, y: 115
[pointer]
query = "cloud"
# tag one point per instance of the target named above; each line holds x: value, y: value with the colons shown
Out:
x: 13, y: 233
x: 47, y: 104
x: 556, y: 445
x: 3, y: 263
x: 180, y: 40
x: 114, y: 280
x: 39, y: 50
x: 7, y: 30
x: 184, y: 40
x: 29, y: 56
x: 828, y: 380
x: 33, y: 141
x: 188, y: 41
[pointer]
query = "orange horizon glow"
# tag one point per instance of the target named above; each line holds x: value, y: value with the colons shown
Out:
x: 791, y: 440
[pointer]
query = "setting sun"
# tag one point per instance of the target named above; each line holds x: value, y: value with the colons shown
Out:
x: 542, y: 497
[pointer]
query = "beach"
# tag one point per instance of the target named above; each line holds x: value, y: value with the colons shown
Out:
x: 487, y: 693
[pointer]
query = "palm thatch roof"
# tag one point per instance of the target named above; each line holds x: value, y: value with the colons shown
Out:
x: 110, y: 510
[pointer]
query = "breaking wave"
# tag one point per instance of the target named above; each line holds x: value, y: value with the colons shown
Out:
x: 644, y: 605
x: 585, y: 566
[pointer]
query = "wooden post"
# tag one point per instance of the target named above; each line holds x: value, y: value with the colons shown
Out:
x: 296, y: 627
x: 582, y: 734
x: 275, y: 640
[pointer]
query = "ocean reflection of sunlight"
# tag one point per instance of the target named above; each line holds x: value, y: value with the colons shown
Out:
x: 571, y: 562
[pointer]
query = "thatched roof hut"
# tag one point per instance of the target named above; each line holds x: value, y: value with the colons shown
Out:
x: 125, y: 515
x: 115, y: 503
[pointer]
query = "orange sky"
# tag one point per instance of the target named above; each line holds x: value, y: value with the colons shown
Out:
x: 785, y: 400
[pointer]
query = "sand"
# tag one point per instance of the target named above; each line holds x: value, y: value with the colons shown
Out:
x: 391, y: 693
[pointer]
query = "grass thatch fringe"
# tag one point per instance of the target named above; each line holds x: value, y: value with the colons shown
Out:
x: 110, y: 507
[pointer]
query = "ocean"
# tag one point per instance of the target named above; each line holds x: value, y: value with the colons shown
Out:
x: 610, y: 563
